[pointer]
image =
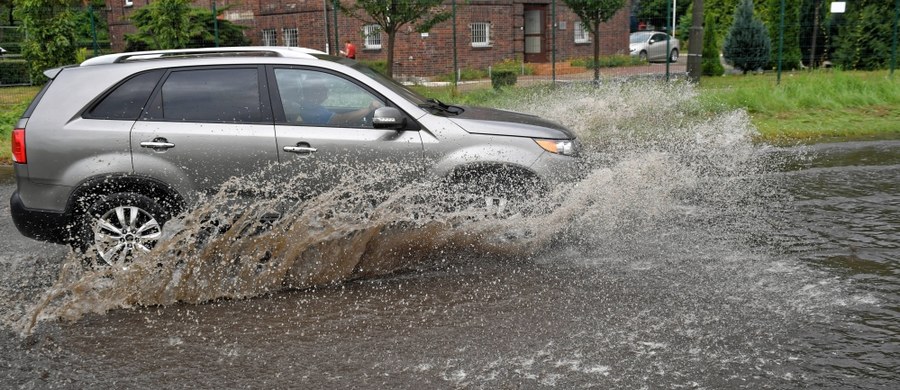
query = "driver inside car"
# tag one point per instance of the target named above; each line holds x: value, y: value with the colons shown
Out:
x: 313, y: 112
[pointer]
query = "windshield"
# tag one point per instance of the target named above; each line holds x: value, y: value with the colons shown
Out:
x: 388, y: 82
x: 639, y: 37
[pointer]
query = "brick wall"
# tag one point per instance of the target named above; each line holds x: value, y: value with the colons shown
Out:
x: 414, y: 54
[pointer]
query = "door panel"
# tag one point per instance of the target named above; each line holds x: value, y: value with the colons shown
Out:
x: 325, y: 127
x: 205, y: 125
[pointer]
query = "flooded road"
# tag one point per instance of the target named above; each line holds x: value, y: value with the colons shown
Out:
x: 784, y: 277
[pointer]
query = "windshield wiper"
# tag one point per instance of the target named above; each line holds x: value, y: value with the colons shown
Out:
x: 441, y: 106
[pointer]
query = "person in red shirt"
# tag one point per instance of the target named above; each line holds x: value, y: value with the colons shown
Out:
x: 349, y: 50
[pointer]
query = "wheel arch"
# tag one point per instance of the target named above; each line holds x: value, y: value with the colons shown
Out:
x: 93, y: 189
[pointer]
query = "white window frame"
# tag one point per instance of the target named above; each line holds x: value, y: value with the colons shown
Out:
x: 582, y: 35
x: 129, y: 3
x: 372, y: 34
x: 269, y: 37
x: 481, y: 34
x: 291, y: 36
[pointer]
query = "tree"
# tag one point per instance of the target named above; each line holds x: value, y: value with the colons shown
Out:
x: 864, y: 38
x: 655, y: 11
x: 747, y: 45
x: 200, y: 34
x: 592, y: 13
x: 164, y: 24
x: 791, y: 51
x: 711, y: 64
x: 391, y: 15
x: 50, y: 34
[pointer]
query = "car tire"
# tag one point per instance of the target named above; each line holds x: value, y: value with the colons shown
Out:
x: 643, y: 56
x: 119, y: 225
x: 673, y: 57
x: 495, y: 193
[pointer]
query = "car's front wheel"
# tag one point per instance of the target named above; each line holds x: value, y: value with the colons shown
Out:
x: 674, y: 56
x: 120, y: 225
x: 643, y: 56
x: 495, y: 193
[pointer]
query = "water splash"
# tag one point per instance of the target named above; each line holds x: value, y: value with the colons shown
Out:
x: 657, y: 165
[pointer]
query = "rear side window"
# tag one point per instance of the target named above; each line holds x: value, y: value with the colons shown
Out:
x: 36, y: 100
x: 210, y: 95
x: 127, y: 100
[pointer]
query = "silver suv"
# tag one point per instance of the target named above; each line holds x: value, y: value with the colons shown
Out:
x: 111, y: 149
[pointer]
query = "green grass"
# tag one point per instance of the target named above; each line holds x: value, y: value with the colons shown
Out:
x: 810, y: 105
x: 13, y: 102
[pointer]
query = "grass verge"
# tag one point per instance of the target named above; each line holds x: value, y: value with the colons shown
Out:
x: 812, y: 105
x: 13, y: 102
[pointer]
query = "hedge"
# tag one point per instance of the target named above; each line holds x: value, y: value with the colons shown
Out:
x: 14, y: 72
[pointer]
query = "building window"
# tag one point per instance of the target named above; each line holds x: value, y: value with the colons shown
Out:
x: 128, y: 3
x: 372, y: 32
x: 582, y: 35
x: 481, y: 34
x: 290, y: 36
x: 270, y: 37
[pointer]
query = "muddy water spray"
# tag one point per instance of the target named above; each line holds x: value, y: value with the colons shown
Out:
x: 646, y: 167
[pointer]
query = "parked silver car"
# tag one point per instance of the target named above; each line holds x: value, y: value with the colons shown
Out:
x: 110, y: 150
x: 651, y: 46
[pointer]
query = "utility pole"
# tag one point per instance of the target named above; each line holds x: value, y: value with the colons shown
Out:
x: 695, y: 46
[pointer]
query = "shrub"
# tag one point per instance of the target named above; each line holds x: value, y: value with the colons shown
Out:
x: 711, y: 65
x: 503, y: 78
x: 611, y: 61
x: 14, y: 72
x: 747, y: 45
x: 514, y: 66
x: 378, y: 66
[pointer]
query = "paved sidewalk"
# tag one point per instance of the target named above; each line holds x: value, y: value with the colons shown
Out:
x: 566, y: 73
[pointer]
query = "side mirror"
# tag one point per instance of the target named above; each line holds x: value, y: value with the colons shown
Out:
x: 388, y: 118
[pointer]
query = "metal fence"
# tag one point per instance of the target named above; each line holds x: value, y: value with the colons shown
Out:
x: 92, y: 38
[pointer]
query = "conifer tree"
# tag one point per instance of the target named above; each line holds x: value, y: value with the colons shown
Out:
x: 711, y: 64
x: 864, y: 35
x: 747, y: 45
x: 790, y: 52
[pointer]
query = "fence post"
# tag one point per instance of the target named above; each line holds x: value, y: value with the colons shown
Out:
x: 455, y: 64
x: 668, y: 37
x: 215, y: 15
x: 94, y: 31
x: 337, y: 41
x: 780, y: 44
x: 894, y: 45
x: 553, y: 51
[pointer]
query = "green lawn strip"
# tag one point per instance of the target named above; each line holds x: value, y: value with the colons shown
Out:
x: 812, y: 105
x: 875, y: 122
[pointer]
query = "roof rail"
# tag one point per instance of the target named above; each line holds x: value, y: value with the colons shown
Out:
x: 270, y: 51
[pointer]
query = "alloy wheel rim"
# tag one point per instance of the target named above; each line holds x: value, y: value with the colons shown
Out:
x: 124, y: 231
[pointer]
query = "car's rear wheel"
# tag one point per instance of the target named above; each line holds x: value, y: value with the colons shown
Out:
x: 122, y: 225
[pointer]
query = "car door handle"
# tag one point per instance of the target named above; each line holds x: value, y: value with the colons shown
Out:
x: 300, y: 149
x: 158, y: 144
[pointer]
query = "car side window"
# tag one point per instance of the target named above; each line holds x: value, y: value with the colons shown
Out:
x: 313, y: 98
x: 126, y: 101
x: 659, y: 38
x: 230, y: 95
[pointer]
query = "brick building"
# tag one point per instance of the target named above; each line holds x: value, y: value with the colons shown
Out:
x: 488, y: 32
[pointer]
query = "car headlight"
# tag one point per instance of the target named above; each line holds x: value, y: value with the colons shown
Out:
x: 565, y: 147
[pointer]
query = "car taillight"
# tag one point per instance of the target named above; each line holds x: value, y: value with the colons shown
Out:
x: 18, y: 146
